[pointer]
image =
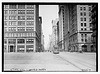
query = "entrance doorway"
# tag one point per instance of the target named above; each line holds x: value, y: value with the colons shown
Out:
x: 12, y: 48
x: 92, y: 49
x: 84, y: 48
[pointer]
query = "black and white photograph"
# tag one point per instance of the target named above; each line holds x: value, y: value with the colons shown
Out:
x: 49, y: 37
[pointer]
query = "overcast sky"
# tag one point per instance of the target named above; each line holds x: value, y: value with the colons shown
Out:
x: 48, y: 13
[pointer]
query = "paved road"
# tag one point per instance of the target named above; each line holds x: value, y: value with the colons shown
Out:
x: 50, y: 62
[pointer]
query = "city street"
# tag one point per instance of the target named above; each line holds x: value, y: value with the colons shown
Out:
x: 47, y: 61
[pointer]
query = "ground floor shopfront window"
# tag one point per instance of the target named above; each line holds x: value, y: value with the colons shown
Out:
x: 20, y: 48
x: 29, y: 48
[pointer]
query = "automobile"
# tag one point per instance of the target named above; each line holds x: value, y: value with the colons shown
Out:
x: 55, y: 52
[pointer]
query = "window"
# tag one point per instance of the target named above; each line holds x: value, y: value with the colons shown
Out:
x: 20, y: 23
x: 89, y: 8
x: 12, y: 17
x: 84, y: 13
x: 84, y: 24
x: 5, y: 6
x: 30, y: 41
x: 81, y: 19
x: 29, y: 48
x: 5, y: 41
x: 80, y: 8
x: 84, y: 28
x: 30, y: 17
x: 81, y: 14
x: 30, y: 11
x: 30, y: 23
x: 91, y: 29
x: 12, y: 11
x: 5, y: 17
x: 81, y: 24
x: 29, y: 28
x: 21, y: 29
x: 12, y: 28
x: 84, y: 19
x: 21, y: 6
x: 11, y: 41
x: 89, y: 13
x: 15, y: 34
x: 12, y: 22
x: 20, y: 41
x: 5, y: 11
x: 81, y: 28
x: 85, y: 35
x: 85, y: 40
x: 12, y: 34
x: 89, y: 19
x: 12, y: 6
x: 21, y: 17
x: 20, y: 48
x: 5, y: 28
x: 81, y: 35
x: 21, y: 11
x: 5, y: 23
x: 84, y: 8
x: 32, y: 34
x: 82, y: 40
x: 30, y: 6
x: 90, y: 24
x: 18, y: 34
x: 5, y: 48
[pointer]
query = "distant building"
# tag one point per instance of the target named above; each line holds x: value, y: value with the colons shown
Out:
x: 53, y: 37
x: 21, y: 28
x: 42, y: 42
x: 50, y: 43
x: 61, y: 22
x: 57, y: 32
x: 94, y: 23
x: 75, y: 28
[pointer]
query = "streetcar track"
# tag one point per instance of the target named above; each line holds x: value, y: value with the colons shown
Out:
x: 83, y: 62
x: 74, y: 64
x: 68, y: 62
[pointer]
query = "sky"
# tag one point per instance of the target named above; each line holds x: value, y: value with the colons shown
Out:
x: 48, y: 13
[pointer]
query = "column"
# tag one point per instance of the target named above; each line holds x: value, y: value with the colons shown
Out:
x: 80, y: 47
x: 7, y: 45
x: 34, y: 44
x: 16, y: 46
x: 25, y: 45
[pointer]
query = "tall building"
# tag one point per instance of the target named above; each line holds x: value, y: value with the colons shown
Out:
x: 61, y: 22
x: 53, y: 37
x: 54, y: 30
x: 94, y: 23
x: 63, y: 42
x: 75, y: 27
x: 50, y: 43
x: 21, y: 28
x: 39, y: 29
